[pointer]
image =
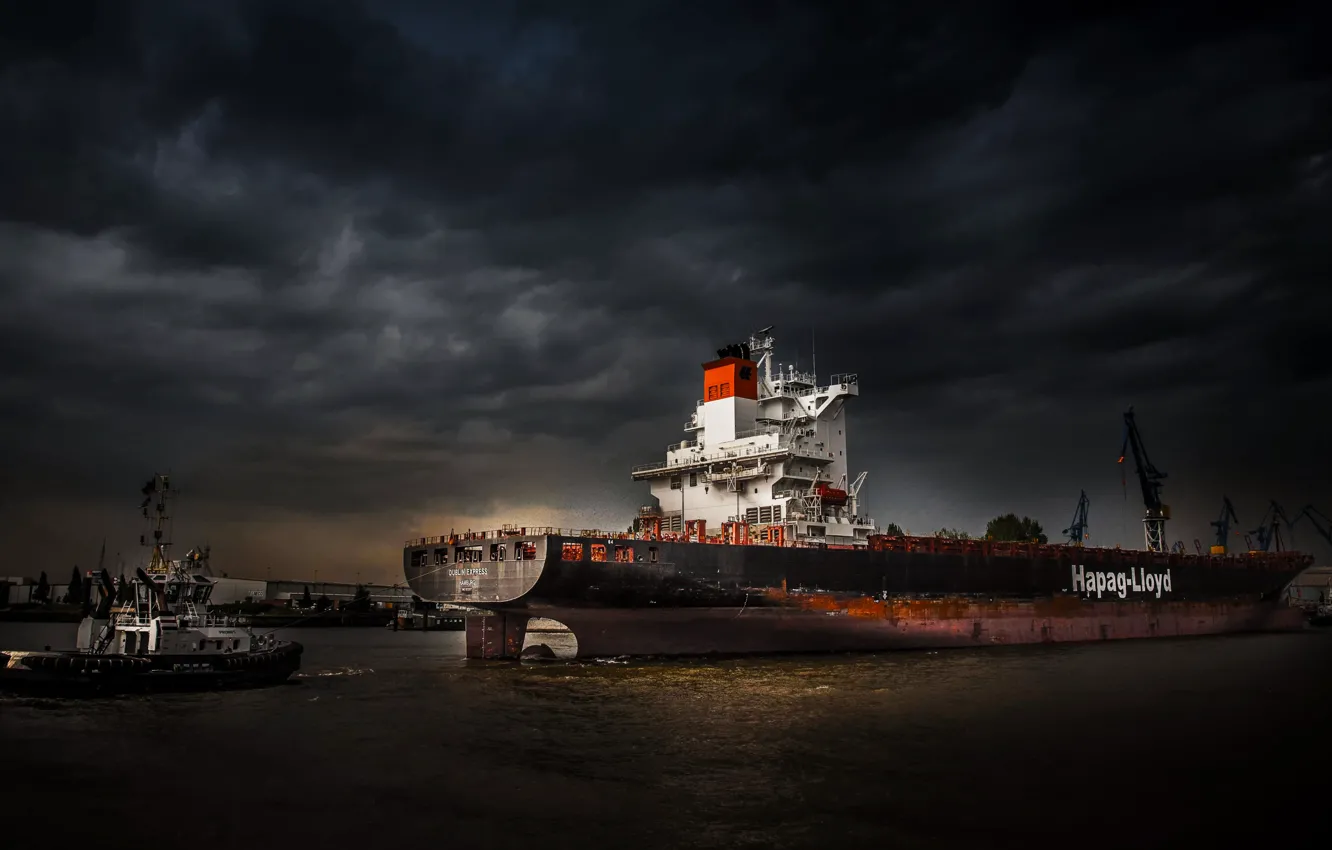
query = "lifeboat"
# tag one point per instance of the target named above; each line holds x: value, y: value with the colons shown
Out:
x: 831, y: 495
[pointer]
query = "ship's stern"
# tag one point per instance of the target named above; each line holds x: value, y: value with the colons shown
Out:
x: 484, y: 570
x: 489, y: 574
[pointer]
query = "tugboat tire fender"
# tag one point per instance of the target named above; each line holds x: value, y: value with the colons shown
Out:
x: 77, y: 663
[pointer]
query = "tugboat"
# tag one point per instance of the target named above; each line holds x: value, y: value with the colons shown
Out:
x: 154, y: 632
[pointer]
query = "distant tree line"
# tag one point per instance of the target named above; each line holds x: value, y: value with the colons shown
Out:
x: 1005, y: 528
x: 42, y: 595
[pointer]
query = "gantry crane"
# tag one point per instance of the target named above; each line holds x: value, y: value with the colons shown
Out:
x: 1268, y: 531
x: 1149, y: 477
x: 1222, y: 526
x: 1077, y: 532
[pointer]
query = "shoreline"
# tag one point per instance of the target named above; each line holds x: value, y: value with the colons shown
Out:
x: 72, y: 615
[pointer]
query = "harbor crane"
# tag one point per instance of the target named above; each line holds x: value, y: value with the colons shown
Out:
x: 1149, y: 478
x: 1268, y: 531
x: 1077, y: 531
x: 1222, y: 526
x: 1317, y: 519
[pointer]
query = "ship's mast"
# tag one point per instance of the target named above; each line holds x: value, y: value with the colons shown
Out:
x: 762, y: 344
x: 157, y: 493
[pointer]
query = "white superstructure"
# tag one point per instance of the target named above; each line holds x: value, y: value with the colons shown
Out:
x: 768, y: 448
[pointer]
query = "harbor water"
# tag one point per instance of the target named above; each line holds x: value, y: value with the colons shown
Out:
x: 395, y: 739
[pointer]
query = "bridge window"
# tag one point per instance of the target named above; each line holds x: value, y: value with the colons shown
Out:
x: 422, y: 558
x: 572, y: 552
x: 442, y: 556
x: 525, y: 551
x: 468, y: 555
x: 675, y: 482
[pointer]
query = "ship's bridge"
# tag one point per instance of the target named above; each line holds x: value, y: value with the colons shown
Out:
x: 769, y: 443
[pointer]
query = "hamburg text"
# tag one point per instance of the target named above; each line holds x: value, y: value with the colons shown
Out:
x: 1136, y: 580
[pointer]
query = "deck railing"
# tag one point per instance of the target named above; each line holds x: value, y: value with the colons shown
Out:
x: 208, y: 620
x: 783, y: 447
x: 465, y: 538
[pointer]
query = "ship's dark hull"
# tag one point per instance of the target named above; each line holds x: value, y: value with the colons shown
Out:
x: 937, y: 624
x: 71, y: 674
x: 696, y: 598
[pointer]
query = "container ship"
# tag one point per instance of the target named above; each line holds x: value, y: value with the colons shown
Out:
x: 758, y: 544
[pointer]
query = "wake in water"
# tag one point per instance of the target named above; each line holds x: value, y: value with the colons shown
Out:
x: 345, y: 671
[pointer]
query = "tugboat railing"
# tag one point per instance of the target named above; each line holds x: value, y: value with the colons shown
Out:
x: 189, y: 621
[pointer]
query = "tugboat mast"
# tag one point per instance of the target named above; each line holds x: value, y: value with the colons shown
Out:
x: 158, y: 489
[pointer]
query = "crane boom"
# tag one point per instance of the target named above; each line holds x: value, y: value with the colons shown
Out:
x: 1317, y: 519
x: 1149, y: 478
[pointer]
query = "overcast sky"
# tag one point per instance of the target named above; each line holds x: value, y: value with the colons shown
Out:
x: 360, y: 273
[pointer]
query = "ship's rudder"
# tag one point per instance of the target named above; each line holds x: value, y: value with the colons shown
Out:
x: 496, y: 635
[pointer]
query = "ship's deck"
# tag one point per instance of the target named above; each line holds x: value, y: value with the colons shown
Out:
x: 907, y: 543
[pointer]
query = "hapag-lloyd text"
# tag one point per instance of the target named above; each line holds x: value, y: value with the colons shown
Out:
x: 1137, y: 580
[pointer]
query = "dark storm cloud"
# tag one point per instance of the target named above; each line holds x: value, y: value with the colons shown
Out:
x: 413, y: 263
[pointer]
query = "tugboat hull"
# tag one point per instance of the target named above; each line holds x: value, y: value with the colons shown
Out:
x: 85, y: 674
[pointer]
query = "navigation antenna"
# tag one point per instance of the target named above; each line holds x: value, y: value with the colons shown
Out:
x: 157, y: 493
